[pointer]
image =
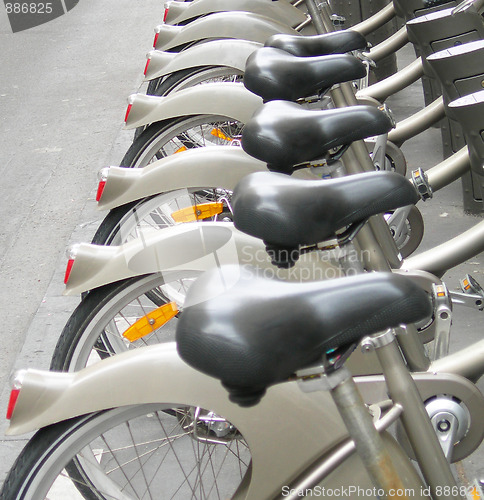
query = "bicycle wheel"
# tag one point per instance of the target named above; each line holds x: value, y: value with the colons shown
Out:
x: 122, y: 316
x: 144, y: 451
x: 168, y: 137
x: 190, y: 77
x: 163, y: 210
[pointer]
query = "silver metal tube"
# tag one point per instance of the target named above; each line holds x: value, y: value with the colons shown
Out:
x: 316, y: 17
x: 443, y: 257
x: 394, y: 83
x: 449, y: 170
x: 334, y: 457
x: 389, y: 46
x: 418, y: 122
x: 468, y: 362
x: 413, y: 349
x: 375, y: 21
x: 369, y: 444
x: 420, y: 432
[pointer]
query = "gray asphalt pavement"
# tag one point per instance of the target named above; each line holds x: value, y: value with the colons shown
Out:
x: 63, y: 89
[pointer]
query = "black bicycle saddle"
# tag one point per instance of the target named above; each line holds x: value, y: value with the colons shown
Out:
x: 290, y: 212
x: 275, y: 74
x: 284, y: 134
x: 337, y: 42
x: 258, y: 332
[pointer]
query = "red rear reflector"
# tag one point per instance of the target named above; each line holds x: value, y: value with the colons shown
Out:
x: 100, y: 189
x: 12, y: 402
x: 128, y: 110
x: 155, y: 40
x: 70, y: 263
x: 166, y: 14
x: 147, y: 64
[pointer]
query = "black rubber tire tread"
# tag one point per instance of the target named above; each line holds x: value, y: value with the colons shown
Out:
x: 164, y: 85
x: 88, y: 308
x: 109, y: 227
x: 32, y: 456
x: 152, y: 131
x: 148, y: 134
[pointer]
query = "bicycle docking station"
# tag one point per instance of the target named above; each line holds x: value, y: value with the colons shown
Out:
x: 452, y: 50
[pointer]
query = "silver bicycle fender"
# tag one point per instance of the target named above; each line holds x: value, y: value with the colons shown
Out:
x: 279, y: 10
x: 218, y: 166
x: 231, y: 100
x: 280, y: 447
x: 189, y: 247
x: 242, y: 25
x: 229, y: 53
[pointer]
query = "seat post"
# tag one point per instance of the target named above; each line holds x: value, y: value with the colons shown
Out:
x: 369, y: 443
x: 416, y: 422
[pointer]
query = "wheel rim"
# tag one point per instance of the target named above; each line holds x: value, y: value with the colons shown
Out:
x: 148, y: 451
x: 211, y: 75
x: 199, y: 131
x: 158, y: 212
x: 103, y: 335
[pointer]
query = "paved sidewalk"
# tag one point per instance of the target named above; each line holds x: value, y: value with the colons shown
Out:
x: 63, y: 90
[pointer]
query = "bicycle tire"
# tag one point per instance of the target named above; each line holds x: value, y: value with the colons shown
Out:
x: 95, y: 329
x: 124, y: 222
x: 190, y: 77
x: 76, y: 455
x: 161, y: 139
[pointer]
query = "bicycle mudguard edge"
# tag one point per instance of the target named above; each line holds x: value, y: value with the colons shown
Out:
x: 278, y: 10
x: 280, y: 447
x: 196, y: 246
x: 238, y: 25
x: 214, y: 167
x: 229, y: 53
x: 226, y: 99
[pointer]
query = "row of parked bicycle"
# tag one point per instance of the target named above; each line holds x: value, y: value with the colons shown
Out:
x: 254, y: 322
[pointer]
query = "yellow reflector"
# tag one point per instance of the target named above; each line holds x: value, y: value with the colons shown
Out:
x: 197, y: 212
x: 179, y: 150
x: 153, y: 320
x: 220, y: 135
x: 475, y: 494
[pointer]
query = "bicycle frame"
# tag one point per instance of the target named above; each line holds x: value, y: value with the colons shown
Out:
x: 228, y: 53
x: 142, y: 377
x: 161, y: 374
x: 279, y: 10
x: 237, y: 25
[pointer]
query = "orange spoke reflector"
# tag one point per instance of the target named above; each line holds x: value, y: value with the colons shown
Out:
x: 475, y: 494
x: 220, y: 135
x: 179, y: 150
x: 151, y: 321
x: 197, y: 212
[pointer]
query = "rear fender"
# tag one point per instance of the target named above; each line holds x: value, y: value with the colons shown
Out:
x: 218, y: 166
x: 231, y: 100
x: 278, y: 10
x: 230, y: 53
x: 238, y: 25
x: 186, y: 247
x: 156, y: 374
